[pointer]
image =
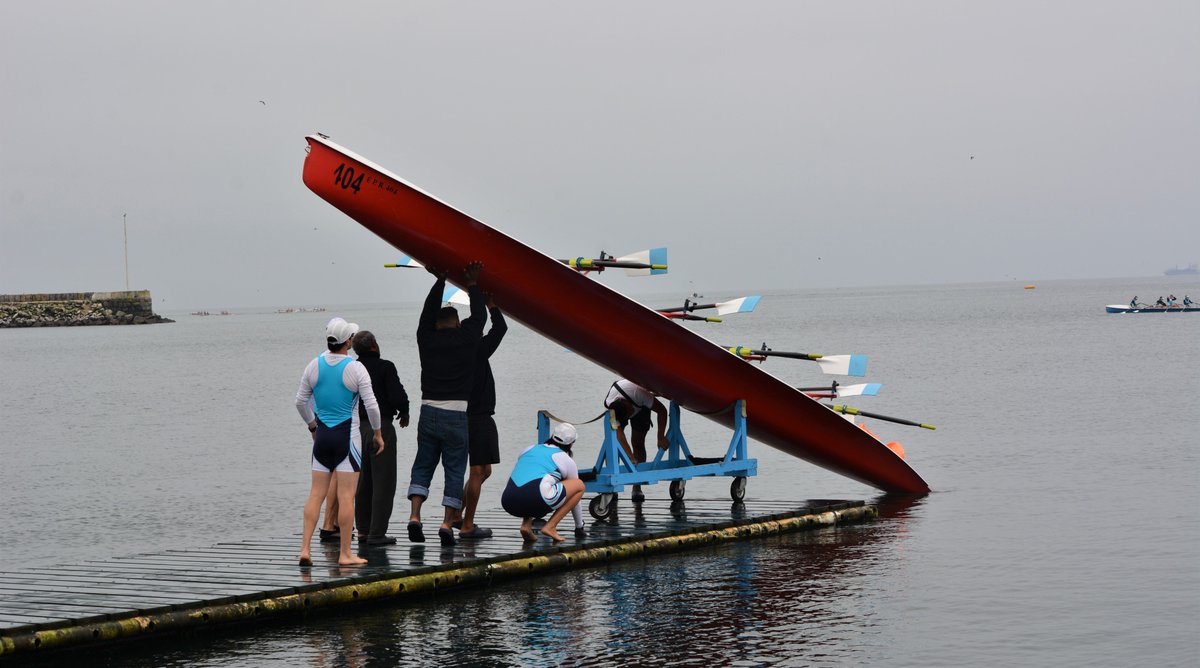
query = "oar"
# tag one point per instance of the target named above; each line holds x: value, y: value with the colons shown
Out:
x: 456, y: 296
x: 651, y: 262
x: 847, y: 410
x: 688, y: 316
x: 746, y: 352
x: 837, y: 390
x: 841, y: 365
x: 405, y: 262
x: 739, y: 305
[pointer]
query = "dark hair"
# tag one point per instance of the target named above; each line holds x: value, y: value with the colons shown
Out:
x: 447, y: 316
x: 334, y: 347
x: 565, y: 448
x: 364, y: 342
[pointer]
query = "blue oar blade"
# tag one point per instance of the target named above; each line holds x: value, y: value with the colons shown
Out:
x: 456, y: 296
x: 740, y: 305
x: 860, y: 390
x: 843, y: 365
x: 654, y: 256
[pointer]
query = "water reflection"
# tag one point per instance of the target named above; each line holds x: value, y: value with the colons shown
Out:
x: 808, y: 598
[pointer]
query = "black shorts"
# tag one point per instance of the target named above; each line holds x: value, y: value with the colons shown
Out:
x: 640, y: 421
x: 483, y: 441
x: 333, y: 445
x: 525, y: 500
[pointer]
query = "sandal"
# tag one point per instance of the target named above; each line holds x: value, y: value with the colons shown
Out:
x: 415, y: 534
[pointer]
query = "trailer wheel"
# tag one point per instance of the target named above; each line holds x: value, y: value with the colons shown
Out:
x: 603, y: 506
x: 737, y: 490
x: 677, y: 489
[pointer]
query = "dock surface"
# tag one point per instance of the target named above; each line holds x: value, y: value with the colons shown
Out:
x: 103, y: 600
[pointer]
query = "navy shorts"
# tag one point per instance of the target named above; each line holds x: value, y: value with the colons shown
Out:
x: 333, y: 449
x: 483, y: 440
x: 525, y: 500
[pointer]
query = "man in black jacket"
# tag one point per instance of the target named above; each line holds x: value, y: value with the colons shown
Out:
x: 447, y: 350
x: 484, y: 441
x: 377, y: 481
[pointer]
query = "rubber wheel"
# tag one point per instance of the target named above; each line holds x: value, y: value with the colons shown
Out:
x: 677, y: 489
x: 737, y: 490
x: 602, y: 506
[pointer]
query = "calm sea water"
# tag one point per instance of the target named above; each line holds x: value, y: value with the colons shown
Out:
x: 1063, y: 529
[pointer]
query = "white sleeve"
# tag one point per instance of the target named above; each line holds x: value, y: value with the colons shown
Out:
x: 569, y: 471
x: 357, y: 379
x: 304, y: 394
x: 566, y: 465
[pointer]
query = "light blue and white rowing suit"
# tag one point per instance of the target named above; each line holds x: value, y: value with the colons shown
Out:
x: 332, y: 385
x: 535, y: 486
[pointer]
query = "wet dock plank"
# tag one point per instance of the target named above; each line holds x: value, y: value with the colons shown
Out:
x: 43, y: 603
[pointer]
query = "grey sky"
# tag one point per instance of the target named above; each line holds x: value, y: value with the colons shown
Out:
x: 749, y: 138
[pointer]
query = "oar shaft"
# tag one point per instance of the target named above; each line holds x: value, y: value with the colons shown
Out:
x: 689, y: 307
x: 854, y: 411
x: 585, y: 263
x: 794, y: 356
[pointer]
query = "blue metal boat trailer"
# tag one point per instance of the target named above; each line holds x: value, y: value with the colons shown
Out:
x: 614, y: 470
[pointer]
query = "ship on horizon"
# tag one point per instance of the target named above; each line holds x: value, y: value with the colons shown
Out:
x: 1190, y: 270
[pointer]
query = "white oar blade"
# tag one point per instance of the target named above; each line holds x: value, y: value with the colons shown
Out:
x: 740, y: 305
x: 843, y: 365
x: 456, y: 296
x: 860, y: 390
x: 407, y: 262
x: 653, y: 256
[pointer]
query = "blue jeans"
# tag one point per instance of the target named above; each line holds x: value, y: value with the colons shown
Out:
x: 441, y: 435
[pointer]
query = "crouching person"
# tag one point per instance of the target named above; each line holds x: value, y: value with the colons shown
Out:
x: 545, y: 479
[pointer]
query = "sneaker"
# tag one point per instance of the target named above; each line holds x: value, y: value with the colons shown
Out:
x: 331, y: 536
x: 637, y: 495
x: 381, y: 540
x: 446, y: 536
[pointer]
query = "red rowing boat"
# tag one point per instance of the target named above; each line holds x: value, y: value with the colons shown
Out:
x: 562, y: 304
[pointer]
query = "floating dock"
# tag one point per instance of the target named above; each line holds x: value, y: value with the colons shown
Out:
x: 99, y: 602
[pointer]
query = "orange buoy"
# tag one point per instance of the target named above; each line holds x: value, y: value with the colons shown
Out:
x: 1031, y: 286
x: 894, y: 446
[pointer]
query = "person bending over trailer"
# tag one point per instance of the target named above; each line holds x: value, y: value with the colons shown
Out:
x: 633, y: 404
x: 545, y: 479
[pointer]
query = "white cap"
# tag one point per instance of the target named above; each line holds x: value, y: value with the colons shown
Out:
x: 339, y: 331
x: 564, y: 434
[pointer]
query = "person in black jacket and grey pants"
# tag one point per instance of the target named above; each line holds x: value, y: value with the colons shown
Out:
x: 377, y: 480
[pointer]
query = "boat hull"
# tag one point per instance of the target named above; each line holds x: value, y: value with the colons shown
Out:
x: 1117, y: 308
x: 599, y: 323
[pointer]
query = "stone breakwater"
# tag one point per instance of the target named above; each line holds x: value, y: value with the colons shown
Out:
x: 73, y: 309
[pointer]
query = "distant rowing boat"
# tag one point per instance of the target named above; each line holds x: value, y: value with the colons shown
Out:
x: 1125, y: 308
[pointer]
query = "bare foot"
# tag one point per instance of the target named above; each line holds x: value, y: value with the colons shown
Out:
x: 351, y: 561
x: 548, y: 531
x: 528, y: 535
